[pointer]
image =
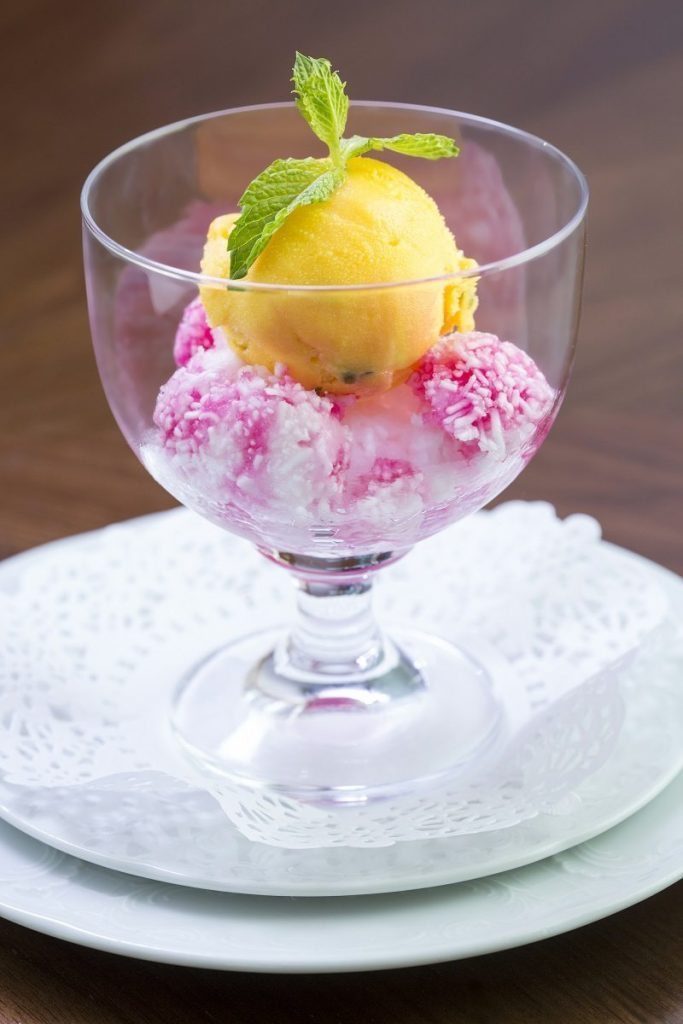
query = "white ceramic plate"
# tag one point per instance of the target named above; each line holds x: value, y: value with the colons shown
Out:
x: 152, y: 824
x: 73, y: 900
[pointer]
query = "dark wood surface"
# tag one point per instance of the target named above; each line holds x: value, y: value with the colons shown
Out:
x: 604, y: 81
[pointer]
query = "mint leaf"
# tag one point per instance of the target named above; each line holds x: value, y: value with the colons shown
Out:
x: 321, y: 98
x: 269, y: 200
x: 429, y: 147
x: 288, y: 184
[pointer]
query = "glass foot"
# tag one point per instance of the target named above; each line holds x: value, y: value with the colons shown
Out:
x: 422, y: 710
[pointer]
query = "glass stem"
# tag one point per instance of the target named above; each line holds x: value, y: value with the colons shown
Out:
x: 335, y: 635
x: 335, y: 651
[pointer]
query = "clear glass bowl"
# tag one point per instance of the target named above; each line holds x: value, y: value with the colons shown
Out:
x: 333, y: 487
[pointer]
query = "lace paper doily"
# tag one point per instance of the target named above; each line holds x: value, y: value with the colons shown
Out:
x: 99, y: 629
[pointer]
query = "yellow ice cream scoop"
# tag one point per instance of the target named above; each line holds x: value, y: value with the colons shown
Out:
x: 378, y: 228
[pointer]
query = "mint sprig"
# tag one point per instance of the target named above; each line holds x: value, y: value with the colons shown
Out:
x: 288, y: 184
x: 429, y: 147
x: 321, y: 99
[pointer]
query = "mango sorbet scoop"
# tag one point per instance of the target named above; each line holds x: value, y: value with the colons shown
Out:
x: 345, y: 220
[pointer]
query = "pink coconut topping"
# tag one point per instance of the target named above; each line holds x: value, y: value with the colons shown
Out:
x: 387, y: 471
x: 193, y: 333
x: 382, y: 474
x: 483, y: 392
x: 247, y: 430
x: 207, y: 396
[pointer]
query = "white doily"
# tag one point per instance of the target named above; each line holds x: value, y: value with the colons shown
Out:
x: 97, y: 631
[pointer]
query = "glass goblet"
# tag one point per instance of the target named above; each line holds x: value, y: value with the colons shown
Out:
x: 333, y: 487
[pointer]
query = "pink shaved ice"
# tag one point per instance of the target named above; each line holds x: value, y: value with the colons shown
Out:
x: 259, y: 453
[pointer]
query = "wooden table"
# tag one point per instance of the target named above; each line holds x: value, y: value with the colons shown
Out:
x: 603, y: 80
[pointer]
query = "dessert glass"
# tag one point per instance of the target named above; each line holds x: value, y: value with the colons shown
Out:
x: 335, y: 708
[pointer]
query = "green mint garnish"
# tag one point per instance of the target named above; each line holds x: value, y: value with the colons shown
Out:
x: 290, y: 183
x: 321, y: 100
x: 270, y: 199
x: 429, y: 147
